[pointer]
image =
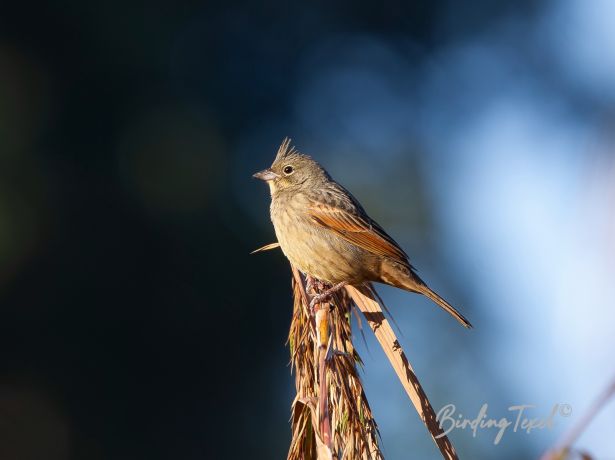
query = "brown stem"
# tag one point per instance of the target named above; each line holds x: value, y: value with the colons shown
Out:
x: 322, y: 334
x: 331, y: 416
x: 570, y: 437
x: 365, y: 300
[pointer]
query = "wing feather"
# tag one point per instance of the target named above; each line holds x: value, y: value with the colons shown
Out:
x: 357, y: 229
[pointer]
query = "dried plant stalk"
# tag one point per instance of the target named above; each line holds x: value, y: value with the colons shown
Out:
x: 365, y: 299
x: 564, y: 450
x: 331, y: 418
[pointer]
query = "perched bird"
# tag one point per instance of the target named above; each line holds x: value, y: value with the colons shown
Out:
x: 325, y: 232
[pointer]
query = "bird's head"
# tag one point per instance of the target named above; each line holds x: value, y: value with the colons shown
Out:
x: 292, y: 171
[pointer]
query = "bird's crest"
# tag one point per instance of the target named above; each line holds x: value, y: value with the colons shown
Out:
x: 285, y: 149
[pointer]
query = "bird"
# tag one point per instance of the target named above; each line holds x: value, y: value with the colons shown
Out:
x: 325, y: 233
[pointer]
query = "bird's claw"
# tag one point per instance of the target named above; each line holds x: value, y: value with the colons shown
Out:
x: 317, y: 299
x: 325, y: 295
x: 310, y: 284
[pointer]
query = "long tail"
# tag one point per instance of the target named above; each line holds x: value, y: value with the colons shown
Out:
x: 401, y: 277
x: 428, y: 292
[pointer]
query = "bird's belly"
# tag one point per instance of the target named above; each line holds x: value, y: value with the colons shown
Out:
x: 318, y: 252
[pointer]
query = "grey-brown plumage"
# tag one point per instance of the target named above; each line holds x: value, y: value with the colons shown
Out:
x: 325, y: 232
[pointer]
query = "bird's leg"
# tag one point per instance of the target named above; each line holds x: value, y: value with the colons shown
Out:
x: 309, y: 285
x: 326, y: 295
x: 312, y: 285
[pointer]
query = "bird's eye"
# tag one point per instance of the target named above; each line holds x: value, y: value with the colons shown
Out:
x: 288, y: 170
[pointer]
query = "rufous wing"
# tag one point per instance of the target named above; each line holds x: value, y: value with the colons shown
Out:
x: 358, y: 230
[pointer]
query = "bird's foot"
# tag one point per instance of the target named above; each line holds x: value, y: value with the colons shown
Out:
x: 310, y: 284
x: 325, y: 295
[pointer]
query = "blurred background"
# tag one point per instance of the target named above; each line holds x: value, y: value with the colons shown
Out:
x: 133, y: 322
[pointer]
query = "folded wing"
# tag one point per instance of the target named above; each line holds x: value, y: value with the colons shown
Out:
x: 358, y: 230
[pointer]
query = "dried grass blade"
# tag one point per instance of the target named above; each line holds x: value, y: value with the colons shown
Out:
x: 365, y: 301
x: 267, y: 247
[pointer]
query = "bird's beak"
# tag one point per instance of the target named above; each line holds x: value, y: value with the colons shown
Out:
x: 266, y: 175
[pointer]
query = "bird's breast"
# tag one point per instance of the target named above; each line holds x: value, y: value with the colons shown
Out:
x: 314, y: 249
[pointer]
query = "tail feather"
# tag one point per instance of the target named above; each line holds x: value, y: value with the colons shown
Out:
x: 404, y: 278
x: 427, y: 292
